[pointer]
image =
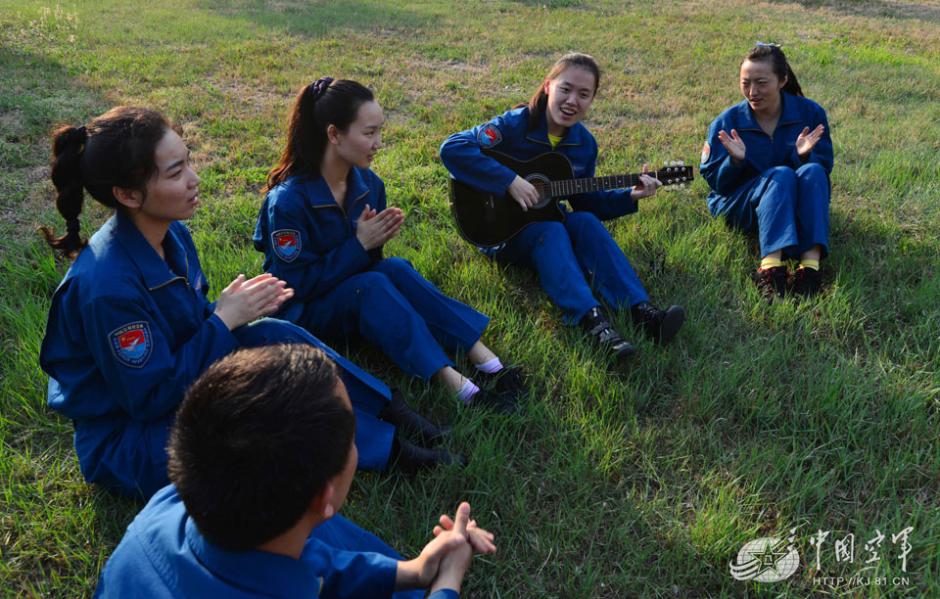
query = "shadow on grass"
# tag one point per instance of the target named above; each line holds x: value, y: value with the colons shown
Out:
x: 892, y: 9
x: 321, y: 19
x: 51, y: 549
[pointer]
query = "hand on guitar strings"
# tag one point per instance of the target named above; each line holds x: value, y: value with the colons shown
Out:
x: 647, y: 186
x: 524, y: 193
x: 374, y: 229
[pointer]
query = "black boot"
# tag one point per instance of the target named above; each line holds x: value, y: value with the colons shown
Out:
x: 400, y: 414
x: 501, y: 403
x: 771, y: 282
x: 659, y: 325
x: 597, y: 325
x: 410, y: 458
x: 807, y: 282
x: 508, y: 381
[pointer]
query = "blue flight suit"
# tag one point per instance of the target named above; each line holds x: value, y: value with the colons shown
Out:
x: 127, y: 334
x: 163, y: 554
x: 341, y: 289
x: 783, y: 196
x: 570, y: 257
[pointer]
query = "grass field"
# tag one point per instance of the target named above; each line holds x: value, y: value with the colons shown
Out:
x: 613, y: 482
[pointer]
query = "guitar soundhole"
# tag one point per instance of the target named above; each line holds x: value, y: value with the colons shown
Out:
x: 541, y: 183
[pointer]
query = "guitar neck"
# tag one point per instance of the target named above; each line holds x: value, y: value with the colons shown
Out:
x: 567, y: 187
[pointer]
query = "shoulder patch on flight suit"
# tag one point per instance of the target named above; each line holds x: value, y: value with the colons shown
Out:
x: 286, y: 244
x: 132, y: 343
x: 489, y: 136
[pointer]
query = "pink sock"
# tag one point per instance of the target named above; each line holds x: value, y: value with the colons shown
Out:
x: 467, y: 391
x: 490, y: 367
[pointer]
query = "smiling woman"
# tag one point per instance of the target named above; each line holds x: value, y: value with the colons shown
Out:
x: 130, y: 327
x: 322, y: 228
x: 577, y: 260
x: 768, y: 161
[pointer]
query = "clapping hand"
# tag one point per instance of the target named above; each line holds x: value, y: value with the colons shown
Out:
x: 807, y: 140
x: 375, y: 229
x: 245, y: 300
x: 444, y: 561
x: 733, y: 143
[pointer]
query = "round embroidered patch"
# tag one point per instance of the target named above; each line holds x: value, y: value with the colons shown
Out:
x: 489, y: 136
x: 286, y: 244
x: 132, y: 343
x: 706, y: 152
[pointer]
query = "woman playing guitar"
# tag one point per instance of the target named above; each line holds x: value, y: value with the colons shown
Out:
x: 575, y: 258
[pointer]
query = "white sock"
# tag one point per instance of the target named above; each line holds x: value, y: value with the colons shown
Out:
x: 467, y: 391
x: 491, y: 366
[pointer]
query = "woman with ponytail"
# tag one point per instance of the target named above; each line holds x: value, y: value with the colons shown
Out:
x: 130, y: 326
x: 322, y: 227
x: 579, y: 264
x: 768, y: 161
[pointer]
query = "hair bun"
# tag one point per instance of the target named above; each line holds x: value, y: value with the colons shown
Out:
x: 318, y: 87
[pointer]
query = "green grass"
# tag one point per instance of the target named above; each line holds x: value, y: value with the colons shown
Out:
x: 614, y: 482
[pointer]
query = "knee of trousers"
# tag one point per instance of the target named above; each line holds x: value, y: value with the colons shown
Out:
x: 781, y: 175
x: 551, y: 232
x: 579, y: 223
x: 812, y: 171
x: 393, y: 265
x: 780, y: 190
x: 399, y: 271
x: 374, y: 286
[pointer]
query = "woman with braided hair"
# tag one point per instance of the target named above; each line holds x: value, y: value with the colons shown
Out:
x: 322, y: 227
x: 130, y: 326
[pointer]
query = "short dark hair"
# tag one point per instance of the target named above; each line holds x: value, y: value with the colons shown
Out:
x: 257, y: 436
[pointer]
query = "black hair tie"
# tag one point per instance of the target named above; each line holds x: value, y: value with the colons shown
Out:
x: 81, y: 135
x: 318, y: 87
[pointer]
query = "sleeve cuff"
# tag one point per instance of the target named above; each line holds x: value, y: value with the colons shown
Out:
x: 359, y: 257
x: 226, y: 337
x: 444, y: 594
x: 383, y: 571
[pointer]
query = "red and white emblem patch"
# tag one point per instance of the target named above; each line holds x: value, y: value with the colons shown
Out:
x: 489, y: 136
x: 286, y: 244
x: 132, y: 343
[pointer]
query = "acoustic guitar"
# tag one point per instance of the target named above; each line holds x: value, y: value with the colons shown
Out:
x: 488, y: 220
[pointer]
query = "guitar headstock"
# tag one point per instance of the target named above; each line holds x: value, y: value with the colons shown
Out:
x: 675, y: 172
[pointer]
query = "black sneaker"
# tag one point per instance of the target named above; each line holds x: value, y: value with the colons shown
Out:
x: 807, y: 282
x: 410, y: 458
x: 597, y: 326
x: 659, y: 325
x: 771, y: 282
x: 400, y: 414
x: 501, y: 403
x: 508, y: 381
